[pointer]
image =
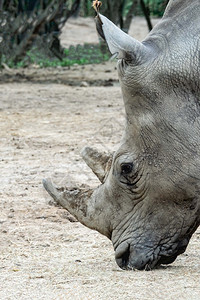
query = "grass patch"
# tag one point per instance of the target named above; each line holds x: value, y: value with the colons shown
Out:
x: 80, y: 54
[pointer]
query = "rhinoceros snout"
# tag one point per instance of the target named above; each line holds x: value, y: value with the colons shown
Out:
x: 132, y: 261
x: 130, y: 258
x: 128, y: 261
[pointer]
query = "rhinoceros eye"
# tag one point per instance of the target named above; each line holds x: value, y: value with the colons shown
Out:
x: 126, y: 168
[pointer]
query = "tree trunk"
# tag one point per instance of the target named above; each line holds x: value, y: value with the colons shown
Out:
x: 33, y: 19
x: 146, y: 14
x: 129, y: 16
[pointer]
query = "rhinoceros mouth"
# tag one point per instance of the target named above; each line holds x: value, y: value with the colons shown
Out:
x: 128, y: 258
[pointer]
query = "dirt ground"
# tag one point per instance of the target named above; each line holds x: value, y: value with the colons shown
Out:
x: 46, y: 117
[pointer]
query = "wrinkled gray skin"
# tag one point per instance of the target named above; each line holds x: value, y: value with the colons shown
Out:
x: 149, y: 201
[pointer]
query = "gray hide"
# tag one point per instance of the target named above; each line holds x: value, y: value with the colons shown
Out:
x: 149, y: 201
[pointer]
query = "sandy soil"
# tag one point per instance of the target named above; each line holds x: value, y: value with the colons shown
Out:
x: 46, y: 117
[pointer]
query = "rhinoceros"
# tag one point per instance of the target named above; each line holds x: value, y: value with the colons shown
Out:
x: 148, y: 202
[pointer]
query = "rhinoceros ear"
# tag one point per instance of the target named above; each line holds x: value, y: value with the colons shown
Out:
x: 119, y: 43
x: 99, y: 162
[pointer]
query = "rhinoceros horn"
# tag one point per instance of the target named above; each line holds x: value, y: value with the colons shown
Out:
x: 66, y: 198
x: 99, y: 162
x: 83, y: 203
x: 119, y: 43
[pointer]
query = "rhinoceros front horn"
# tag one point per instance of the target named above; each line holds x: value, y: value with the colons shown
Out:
x: 83, y: 203
x: 75, y: 200
x: 99, y: 162
x: 118, y: 41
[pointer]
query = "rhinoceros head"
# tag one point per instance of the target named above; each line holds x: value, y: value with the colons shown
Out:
x: 149, y: 201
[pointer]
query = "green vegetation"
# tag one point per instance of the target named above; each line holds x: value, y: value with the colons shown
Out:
x: 30, y: 30
x: 81, y: 54
x: 156, y: 7
x: 33, y: 23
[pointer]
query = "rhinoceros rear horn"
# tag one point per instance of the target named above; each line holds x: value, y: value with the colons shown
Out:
x: 119, y: 43
x: 99, y: 162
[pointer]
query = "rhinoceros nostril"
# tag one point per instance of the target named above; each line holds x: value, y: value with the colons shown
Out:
x: 122, y: 255
x: 125, y: 257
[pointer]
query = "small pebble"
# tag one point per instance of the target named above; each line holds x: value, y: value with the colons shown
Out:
x: 84, y: 84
